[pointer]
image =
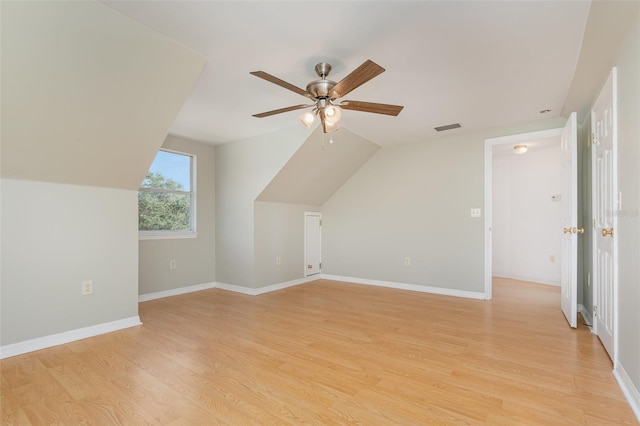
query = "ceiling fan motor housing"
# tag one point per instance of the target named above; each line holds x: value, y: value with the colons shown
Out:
x: 320, y: 89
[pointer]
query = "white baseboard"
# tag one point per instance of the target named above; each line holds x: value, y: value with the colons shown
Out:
x: 588, y: 319
x: 628, y: 389
x: 82, y: 333
x: 266, y: 289
x: 66, y: 337
x: 411, y: 287
x: 175, y: 292
x: 236, y: 288
x: 527, y: 279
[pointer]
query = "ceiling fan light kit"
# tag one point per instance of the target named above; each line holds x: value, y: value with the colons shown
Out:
x: 324, y: 93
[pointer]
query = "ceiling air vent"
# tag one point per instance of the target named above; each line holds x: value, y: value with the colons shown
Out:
x: 448, y: 127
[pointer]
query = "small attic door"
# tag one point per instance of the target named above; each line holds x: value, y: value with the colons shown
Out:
x: 312, y: 243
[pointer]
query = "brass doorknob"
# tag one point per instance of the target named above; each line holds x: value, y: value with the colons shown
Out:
x: 566, y: 230
x: 578, y: 230
x: 605, y: 232
x: 309, y: 266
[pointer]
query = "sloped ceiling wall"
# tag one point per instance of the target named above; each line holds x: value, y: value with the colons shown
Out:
x: 596, y: 54
x: 316, y: 171
x: 88, y: 95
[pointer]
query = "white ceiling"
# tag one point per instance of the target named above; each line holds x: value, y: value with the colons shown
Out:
x: 481, y: 63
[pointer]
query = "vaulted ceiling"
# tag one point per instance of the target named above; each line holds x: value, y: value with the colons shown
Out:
x: 88, y: 95
x: 480, y: 63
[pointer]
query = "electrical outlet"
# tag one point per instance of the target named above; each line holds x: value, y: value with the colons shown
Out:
x: 173, y: 264
x: 87, y: 288
x: 407, y: 261
x: 552, y: 259
x: 278, y: 261
x: 475, y: 212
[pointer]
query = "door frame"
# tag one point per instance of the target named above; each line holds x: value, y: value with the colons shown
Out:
x: 488, y: 172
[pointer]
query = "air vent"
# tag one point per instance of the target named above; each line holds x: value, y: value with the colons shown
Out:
x: 448, y: 127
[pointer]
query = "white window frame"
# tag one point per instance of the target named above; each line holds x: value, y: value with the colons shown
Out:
x: 170, y: 235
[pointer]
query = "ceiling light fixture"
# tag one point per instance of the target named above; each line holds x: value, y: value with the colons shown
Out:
x: 325, y: 93
x: 308, y: 118
x: 332, y: 113
x: 520, y: 149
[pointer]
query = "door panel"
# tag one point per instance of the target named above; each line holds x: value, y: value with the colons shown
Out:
x: 569, y: 175
x: 313, y: 244
x: 604, y: 175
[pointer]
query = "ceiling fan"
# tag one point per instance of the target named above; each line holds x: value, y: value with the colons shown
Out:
x: 325, y: 93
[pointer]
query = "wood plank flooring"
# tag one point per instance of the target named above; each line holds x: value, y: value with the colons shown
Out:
x: 326, y: 353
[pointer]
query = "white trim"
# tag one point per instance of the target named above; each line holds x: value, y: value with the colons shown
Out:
x: 410, y: 287
x: 628, y: 389
x: 531, y: 280
x: 236, y: 288
x: 166, y: 235
x: 588, y: 319
x: 488, y: 166
x: 174, y: 292
x: 66, y: 337
x: 266, y: 289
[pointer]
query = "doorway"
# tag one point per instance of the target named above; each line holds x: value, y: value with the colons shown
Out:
x: 513, y: 227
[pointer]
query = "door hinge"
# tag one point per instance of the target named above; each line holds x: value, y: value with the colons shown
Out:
x: 320, y: 266
x: 595, y: 310
x: 320, y: 222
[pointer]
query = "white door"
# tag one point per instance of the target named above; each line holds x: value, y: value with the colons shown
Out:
x: 569, y: 254
x: 312, y: 243
x: 604, y: 175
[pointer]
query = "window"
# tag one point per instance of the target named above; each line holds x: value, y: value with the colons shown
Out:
x: 166, y: 199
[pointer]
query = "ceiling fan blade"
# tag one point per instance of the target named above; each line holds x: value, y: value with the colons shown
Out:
x: 281, y: 110
x: 358, y: 77
x: 371, y: 107
x: 275, y: 80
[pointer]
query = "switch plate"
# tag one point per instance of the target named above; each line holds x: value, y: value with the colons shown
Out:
x: 278, y: 261
x: 475, y: 212
x: 407, y: 261
x: 173, y: 264
x: 87, y: 288
x: 552, y: 259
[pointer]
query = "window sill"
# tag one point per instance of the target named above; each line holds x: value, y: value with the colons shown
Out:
x: 166, y: 235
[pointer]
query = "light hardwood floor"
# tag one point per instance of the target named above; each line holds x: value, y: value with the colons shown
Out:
x: 326, y: 353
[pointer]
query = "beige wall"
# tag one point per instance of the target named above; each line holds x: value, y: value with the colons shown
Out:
x: 195, y: 257
x: 414, y: 201
x: 88, y: 96
x: 628, y: 63
x: 54, y: 237
x: 242, y: 170
x: 279, y: 232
